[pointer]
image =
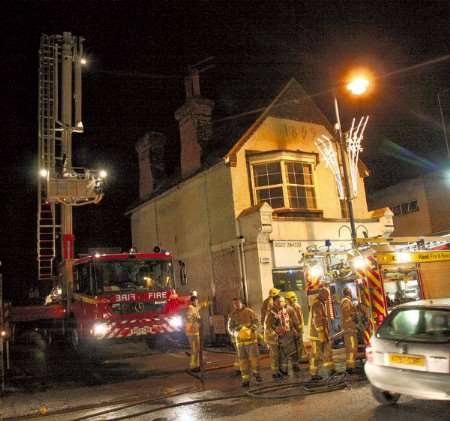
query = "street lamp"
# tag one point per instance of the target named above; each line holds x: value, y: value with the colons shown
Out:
x: 357, y: 86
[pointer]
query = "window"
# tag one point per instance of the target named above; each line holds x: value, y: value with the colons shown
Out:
x: 300, y: 185
x: 419, y: 324
x: 405, y: 208
x: 413, y: 206
x: 292, y: 280
x: 147, y: 275
x: 83, y: 278
x: 285, y: 184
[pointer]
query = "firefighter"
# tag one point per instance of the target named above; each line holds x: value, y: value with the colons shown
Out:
x: 291, y: 298
x: 348, y: 322
x: 319, y: 335
x: 281, y: 329
x: 192, y: 330
x: 242, y: 325
x: 267, y: 303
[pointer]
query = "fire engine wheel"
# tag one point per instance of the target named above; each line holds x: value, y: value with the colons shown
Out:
x: 74, y: 338
x: 75, y: 341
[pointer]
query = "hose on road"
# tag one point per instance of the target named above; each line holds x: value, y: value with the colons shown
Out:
x: 302, y: 389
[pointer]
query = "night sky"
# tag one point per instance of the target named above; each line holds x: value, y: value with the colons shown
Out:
x: 138, y: 54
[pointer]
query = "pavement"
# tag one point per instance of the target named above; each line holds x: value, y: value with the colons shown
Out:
x: 138, y: 383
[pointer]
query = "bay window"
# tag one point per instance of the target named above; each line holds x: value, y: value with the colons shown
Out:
x: 284, y: 183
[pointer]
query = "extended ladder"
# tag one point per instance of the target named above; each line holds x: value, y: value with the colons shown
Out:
x: 49, y: 146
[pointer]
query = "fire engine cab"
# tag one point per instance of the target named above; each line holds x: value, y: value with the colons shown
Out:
x: 121, y: 297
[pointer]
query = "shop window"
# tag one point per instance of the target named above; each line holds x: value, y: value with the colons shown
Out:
x: 285, y: 184
x: 292, y: 280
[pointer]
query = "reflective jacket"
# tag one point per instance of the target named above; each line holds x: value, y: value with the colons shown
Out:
x: 280, y: 323
x: 348, y: 315
x: 193, y: 319
x: 318, y: 321
x: 242, y: 325
x: 298, y: 312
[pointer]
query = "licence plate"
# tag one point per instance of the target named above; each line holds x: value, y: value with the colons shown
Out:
x: 411, y: 360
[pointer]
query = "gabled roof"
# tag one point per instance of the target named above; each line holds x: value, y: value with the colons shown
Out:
x: 291, y: 103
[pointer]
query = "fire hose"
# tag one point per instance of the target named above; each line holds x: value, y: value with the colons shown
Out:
x: 303, y: 389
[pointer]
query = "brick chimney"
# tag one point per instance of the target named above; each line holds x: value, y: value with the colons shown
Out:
x: 150, y: 149
x: 194, y: 120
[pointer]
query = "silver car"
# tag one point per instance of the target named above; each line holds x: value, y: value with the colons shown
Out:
x: 410, y: 353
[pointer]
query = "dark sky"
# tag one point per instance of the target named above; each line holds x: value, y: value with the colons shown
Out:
x: 138, y: 54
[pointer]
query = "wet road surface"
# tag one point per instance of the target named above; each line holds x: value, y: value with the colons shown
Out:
x: 131, y: 383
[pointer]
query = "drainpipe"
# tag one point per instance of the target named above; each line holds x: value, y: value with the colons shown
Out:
x: 242, y: 266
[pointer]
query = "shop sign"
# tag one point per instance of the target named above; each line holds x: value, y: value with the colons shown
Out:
x: 287, y: 253
x: 412, y: 257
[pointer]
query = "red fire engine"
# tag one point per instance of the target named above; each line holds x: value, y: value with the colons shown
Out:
x: 115, y: 298
x: 98, y: 298
x: 128, y: 295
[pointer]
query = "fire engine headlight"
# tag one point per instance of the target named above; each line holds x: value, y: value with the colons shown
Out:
x: 100, y: 329
x: 176, y: 322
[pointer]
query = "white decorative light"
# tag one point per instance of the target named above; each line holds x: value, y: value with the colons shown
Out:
x: 328, y: 152
x: 353, y: 143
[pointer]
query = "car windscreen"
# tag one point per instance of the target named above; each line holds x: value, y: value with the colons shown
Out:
x: 133, y: 274
x: 417, y: 325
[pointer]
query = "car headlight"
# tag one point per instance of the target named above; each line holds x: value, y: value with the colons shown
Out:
x: 100, y: 329
x: 176, y: 322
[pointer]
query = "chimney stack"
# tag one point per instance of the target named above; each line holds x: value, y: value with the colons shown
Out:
x: 150, y: 149
x: 194, y: 120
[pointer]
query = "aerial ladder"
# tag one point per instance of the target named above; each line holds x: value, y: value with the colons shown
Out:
x: 61, y: 185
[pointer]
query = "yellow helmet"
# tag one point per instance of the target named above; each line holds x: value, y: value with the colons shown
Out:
x: 273, y: 292
x: 291, y: 296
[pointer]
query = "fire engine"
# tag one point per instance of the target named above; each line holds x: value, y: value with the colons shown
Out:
x: 123, y: 296
x: 93, y: 299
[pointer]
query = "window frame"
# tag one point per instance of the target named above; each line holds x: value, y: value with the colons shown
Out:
x: 281, y: 158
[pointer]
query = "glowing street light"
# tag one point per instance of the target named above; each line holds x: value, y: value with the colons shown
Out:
x: 83, y: 61
x: 102, y: 174
x: 43, y: 172
x: 358, y: 86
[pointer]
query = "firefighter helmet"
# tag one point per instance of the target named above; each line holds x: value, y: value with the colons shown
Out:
x: 291, y: 295
x: 273, y: 292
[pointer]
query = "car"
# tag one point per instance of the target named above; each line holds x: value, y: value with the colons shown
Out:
x: 409, y: 354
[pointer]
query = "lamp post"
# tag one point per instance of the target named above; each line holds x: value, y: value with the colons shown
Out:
x: 343, y: 159
x: 357, y: 86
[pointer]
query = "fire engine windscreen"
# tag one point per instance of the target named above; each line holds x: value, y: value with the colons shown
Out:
x: 144, y: 275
